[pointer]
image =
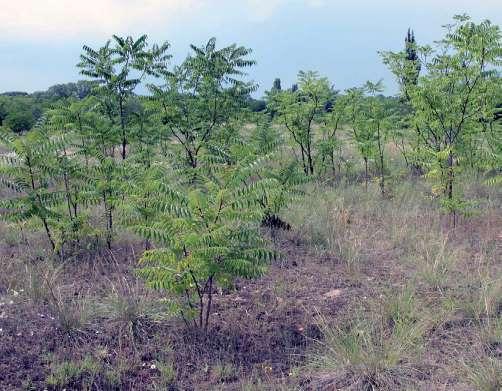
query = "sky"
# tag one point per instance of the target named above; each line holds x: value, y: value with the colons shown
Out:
x: 40, y: 40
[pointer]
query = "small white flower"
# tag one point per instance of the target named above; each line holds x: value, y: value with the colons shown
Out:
x: 153, y: 366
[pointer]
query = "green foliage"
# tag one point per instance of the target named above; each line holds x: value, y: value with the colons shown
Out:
x: 205, y: 172
x: 456, y: 97
x: 370, y: 122
x: 201, y: 96
x: 118, y: 70
x: 27, y: 171
x: 20, y: 120
x: 299, y: 110
x: 79, y: 90
x: 86, y: 374
x: 283, y: 179
x: 20, y: 111
x: 412, y: 63
x: 209, y: 236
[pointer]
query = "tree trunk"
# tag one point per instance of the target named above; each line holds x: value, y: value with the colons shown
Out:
x: 449, y: 186
x: 305, y: 168
x: 380, y: 152
x: 109, y: 222
x: 333, y: 165
x: 49, y: 235
x: 310, y: 160
x: 311, y: 163
x: 209, y: 302
x: 366, y: 173
x: 122, y: 126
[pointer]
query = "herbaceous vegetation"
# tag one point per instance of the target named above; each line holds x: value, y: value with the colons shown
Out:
x: 240, y: 213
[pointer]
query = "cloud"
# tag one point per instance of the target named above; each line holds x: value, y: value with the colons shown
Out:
x: 66, y: 19
x: 39, y: 20
x: 315, y: 3
x: 262, y: 10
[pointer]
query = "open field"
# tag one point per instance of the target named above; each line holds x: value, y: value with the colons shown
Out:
x: 366, y: 291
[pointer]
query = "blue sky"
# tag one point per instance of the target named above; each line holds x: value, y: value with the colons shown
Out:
x: 40, y: 40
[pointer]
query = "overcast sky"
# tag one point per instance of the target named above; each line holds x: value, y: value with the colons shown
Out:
x: 40, y: 40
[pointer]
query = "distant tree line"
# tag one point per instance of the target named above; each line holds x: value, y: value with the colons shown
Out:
x: 19, y: 110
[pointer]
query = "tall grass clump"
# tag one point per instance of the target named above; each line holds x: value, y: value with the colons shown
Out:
x: 377, y: 350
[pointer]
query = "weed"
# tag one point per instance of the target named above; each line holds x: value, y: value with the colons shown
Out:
x: 72, y: 314
x: 82, y: 374
x: 167, y: 374
x: 224, y: 372
x: 379, y: 351
x: 434, y: 261
x: 483, y: 373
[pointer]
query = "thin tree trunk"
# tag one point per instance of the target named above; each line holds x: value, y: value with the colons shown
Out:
x: 209, y: 302
x: 366, y: 173
x: 333, y: 165
x: 310, y: 159
x: 200, y: 293
x: 311, y: 163
x: 305, y: 169
x: 44, y: 220
x: 49, y: 235
x: 122, y: 126
x: 380, y: 151
x: 109, y: 222
x: 449, y: 185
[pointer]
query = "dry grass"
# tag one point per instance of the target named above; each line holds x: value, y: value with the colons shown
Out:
x: 405, y: 242
x: 370, y: 293
x: 374, y: 350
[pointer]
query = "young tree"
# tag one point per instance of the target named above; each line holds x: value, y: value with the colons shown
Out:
x: 202, y: 95
x: 455, y: 95
x: 209, y: 236
x: 330, y: 146
x: 368, y: 117
x: 377, y: 121
x: 90, y: 173
x: 119, y: 70
x: 299, y: 111
x: 363, y: 135
x: 26, y: 170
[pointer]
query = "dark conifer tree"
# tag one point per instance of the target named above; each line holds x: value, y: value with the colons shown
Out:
x: 411, y: 55
x: 276, y: 87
